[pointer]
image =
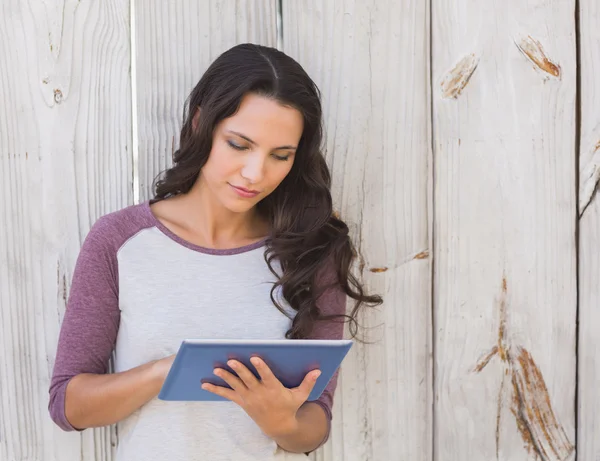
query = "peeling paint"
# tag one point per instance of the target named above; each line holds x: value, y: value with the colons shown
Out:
x: 534, y: 52
x: 64, y: 288
x: 58, y: 96
x: 522, y: 422
x: 378, y: 269
x: 542, y: 434
x: 61, y: 283
x: 422, y: 255
x: 502, y: 321
x: 455, y: 80
x: 499, y: 416
x: 481, y: 363
x: 590, y: 177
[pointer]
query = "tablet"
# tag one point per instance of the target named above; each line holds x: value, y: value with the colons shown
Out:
x: 289, y: 360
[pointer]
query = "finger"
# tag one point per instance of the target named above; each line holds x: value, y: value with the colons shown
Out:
x: 244, y: 374
x: 222, y: 392
x: 265, y: 373
x: 308, y: 383
x: 234, y: 382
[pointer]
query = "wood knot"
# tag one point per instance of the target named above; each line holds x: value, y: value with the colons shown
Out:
x: 58, y: 96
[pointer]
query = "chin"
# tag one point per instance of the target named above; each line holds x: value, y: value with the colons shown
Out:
x: 240, y: 206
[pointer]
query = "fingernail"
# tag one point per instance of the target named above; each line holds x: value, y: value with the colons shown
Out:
x: 316, y: 375
x: 232, y: 364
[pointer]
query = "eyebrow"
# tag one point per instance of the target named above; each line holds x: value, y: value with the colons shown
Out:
x: 252, y: 142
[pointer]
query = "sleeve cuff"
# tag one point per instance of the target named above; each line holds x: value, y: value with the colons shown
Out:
x: 56, y: 408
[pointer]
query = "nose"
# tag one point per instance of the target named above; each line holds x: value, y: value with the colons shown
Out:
x: 253, y: 168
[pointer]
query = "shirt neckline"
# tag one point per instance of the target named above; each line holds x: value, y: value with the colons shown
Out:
x: 201, y: 249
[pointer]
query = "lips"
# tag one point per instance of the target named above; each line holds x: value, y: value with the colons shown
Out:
x: 243, y: 192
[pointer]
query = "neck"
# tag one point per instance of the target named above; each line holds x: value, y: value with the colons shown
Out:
x: 215, y: 223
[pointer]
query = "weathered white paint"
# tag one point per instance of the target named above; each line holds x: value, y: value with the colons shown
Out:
x: 503, y: 95
x: 504, y: 227
x: 64, y: 140
x: 176, y: 42
x: 588, y: 441
x: 370, y: 61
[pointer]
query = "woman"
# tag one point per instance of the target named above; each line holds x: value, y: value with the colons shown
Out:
x: 238, y: 242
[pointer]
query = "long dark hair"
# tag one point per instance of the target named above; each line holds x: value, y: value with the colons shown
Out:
x: 306, y: 238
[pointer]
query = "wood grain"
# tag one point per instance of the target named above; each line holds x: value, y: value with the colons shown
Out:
x: 65, y: 159
x: 588, y: 442
x: 505, y: 250
x: 370, y: 61
x: 175, y: 44
x: 502, y: 232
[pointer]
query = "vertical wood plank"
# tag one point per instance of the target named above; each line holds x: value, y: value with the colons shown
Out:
x: 588, y: 442
x: 504, y: 85
x: 64, y: 161
x: 370, y: 60
x: 176, y: 42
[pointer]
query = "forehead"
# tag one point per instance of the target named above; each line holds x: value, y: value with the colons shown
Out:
x: 266, y: 121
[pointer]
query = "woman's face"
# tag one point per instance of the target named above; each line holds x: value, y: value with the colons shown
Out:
x: 252, y: 152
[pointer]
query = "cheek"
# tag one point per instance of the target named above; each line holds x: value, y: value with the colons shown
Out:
x: 221, y: 164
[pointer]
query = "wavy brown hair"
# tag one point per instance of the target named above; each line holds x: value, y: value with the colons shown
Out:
x: 306, y: 238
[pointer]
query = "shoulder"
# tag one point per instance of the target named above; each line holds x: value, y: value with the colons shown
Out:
x: 112, y: 230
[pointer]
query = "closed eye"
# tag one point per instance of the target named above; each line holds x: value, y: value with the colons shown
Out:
x: 283, y: 158
x: 236, y: 146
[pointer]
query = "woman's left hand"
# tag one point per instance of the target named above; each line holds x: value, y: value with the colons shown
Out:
x: 268, y: 402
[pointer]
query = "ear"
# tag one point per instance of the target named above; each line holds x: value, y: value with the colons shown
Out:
x: 195, y: 120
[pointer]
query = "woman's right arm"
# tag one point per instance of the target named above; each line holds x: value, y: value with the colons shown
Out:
x: 94, y: 400
x: 82, y: 394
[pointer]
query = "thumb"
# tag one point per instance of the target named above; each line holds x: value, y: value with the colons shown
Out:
x: 308, y: 383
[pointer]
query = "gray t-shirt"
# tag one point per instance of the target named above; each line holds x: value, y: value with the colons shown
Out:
x: 139, y: 290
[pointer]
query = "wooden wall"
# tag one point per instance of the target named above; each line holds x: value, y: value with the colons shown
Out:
x: 464, y: 142
x: 504, y: 92
x: 65, y: 160
x: 588, y: 156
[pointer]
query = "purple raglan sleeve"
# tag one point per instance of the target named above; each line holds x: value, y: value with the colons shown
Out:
x: 89, y: 328
x: 331, y: 302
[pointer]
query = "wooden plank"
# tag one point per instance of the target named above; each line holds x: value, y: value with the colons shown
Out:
x: 504, y: 85
x: 175, y: 43
x: 370, y: 59
x: 588, y: 442
x: 64, y: 161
